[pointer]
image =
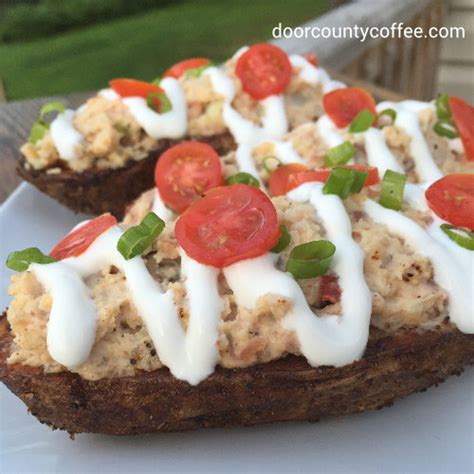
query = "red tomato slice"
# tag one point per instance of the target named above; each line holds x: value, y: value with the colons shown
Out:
x: 180, y: 68
x: 133, y: 88
x: 264, y: 70
x: 185, y: 172
x: 278, y: 180
x: 311, y: 58
x: 463, y: 116
x: 79, y: 240
x: 288, y: 177
x: 342, y: 105
x: 452, y: 199
x: 229, y: 224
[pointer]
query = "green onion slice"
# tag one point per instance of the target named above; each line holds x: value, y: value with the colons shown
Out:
x: 242, y: 177
x: 340, y: 154
x: 390, y: 113
x: 443, y: 111
x: 446, y: 128
x: 164, y: 101
x: 38, y: 131
x: 463, y: 237
x: 267, y: 166
x: 311, y: 259
x: 283, y: 241
x: 41, y: 126
x: 362, y: 121
x: 135, y: 240
x: 197, y: 71
x: 157, y: 80
x: 51, y: 107
x: 343, y: 181
x: 391, y: 193
x: 21, y: 259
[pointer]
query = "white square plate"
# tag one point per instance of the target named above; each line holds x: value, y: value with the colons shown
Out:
x: 426, y: 432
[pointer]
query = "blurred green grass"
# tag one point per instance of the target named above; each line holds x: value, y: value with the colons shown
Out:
x: 142, y: 46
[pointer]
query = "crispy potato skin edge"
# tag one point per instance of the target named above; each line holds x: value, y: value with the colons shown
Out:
x: 284, y: 390
x: 98, y: 191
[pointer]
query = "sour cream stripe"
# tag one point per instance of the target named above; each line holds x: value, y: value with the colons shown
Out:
x: 324, y: 340
x: 190, y: 355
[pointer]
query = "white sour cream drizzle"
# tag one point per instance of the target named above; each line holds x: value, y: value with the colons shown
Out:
x: 65, y: 137
x: 407, y: 119
x: 160, y: 208
x: 314, y: 75
x: 172, y: 124
x: 329, y: 132
x: 324, y: 340
x: 190, y: 355
x: 378, y: 153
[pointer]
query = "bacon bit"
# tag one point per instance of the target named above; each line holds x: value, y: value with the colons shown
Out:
x: 329, y: 290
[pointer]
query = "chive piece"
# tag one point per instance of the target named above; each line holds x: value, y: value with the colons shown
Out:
x: 163, y: 105
x: 390, y: 113
x: 244, y: 178
x: 446, y: 128
x: 41, y: 126
x: 311, y: 259
x: 135, y: 240
x: 343, y: 181
x: 268, y: 167
x: 21, y: 259
x: 362, y: 121
x: 340, y: 154
x: 38, y: 131
x: 51, y: 107
x: 157, y: 80
x: 443, y: 111
x: 463, y: 237
x: 391, y: 193
x: 197, y: 71
x: 283, y: 241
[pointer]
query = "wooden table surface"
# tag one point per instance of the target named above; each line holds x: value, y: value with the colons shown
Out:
x: 16, y: 119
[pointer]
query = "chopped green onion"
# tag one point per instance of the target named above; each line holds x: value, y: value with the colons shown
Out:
x: 443, y: 111
x: 340, y: 154
x: 283, y: 241
x: 21, y: 259
x: 268, y: 167
x: 391, y: 113
x: 245, y: 178
x: 463, y: 237
x: 197, y: 71
x: 391, y: 193
x: 135, y: 240
x: 51, y: 107
x: 163, y: 100
x: 446, y: 128
x: 343, y: 181
x: 311, y: 259
x: 41, y: 126
x: 38, y: 131
x: 362, y: 121
x: 156, y: 81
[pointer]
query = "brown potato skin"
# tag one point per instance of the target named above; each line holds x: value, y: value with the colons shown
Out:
x: 284, y: 390
x: 111, y: 190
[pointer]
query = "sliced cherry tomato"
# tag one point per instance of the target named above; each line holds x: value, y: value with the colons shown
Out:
x: 463, y: 116
x: 278, y: 180
x: 185, y: 172
x: 311, y: 58
x: 80, y: 239
x: 329, y: 290
x: 133, y: 88
x: 180, y: 68
x: 288, y: 177
x: 342, y: 105
x: 452, y: 199
x: 264, y: 70
x: 229, y: 224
